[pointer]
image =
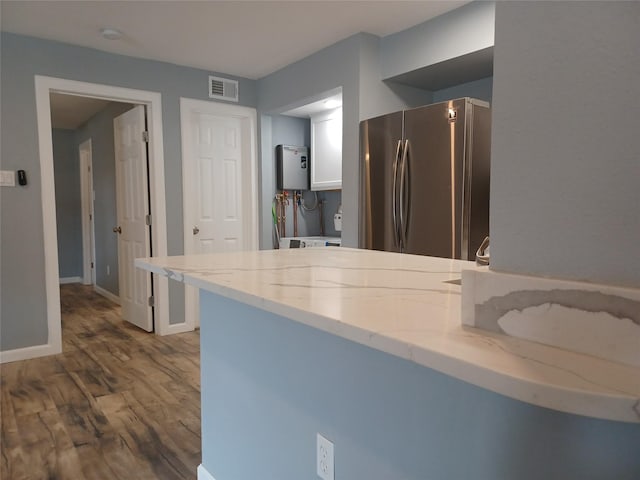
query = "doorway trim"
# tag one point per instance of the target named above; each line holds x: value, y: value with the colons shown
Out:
x: 248, y: 116
x: 153, y: 101
x: 86, y: 196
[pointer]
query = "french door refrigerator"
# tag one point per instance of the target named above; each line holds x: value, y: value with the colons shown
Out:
x: 424, y: 179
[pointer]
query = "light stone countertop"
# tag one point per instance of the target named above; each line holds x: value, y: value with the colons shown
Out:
x: 402, y: 305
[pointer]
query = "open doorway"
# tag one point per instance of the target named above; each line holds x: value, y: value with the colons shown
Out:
x: 156, y: 198
x: 112, y: 206
x: 86, y: 190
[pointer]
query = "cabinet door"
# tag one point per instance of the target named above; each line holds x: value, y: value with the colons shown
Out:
x: 326, y: 150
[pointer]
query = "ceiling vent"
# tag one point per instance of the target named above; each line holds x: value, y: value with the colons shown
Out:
x: 223, y: 89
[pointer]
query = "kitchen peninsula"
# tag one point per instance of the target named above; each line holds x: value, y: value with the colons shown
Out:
x: 367, y: 349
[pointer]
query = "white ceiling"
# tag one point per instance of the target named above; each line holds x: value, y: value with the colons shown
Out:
x: 72, y: 111
x: 329, y: 102
x: 245, y: 38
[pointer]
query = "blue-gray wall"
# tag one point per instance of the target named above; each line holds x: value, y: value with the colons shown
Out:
x: 66, y: 168
x: 461, y: 32
x: 99, y: 129
x: 354, y: 65
x: 379, y: 97
x: 565, y: 173
x: 23, y: 316
x: 270, y: 384
x: 301, y: 82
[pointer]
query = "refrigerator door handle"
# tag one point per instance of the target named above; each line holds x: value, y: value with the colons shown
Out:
x: 405, y: 194
x: 396, y: 225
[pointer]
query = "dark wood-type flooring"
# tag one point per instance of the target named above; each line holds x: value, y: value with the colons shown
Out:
x: 118, y: 403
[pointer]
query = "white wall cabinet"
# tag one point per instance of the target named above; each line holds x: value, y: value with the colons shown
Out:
x: 326, y: 150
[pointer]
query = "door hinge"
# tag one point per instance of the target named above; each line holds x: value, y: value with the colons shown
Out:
x: 91, y: 264
x: 145, y: 136
x: 90, y: 217
x: 152, y: 301
x: 147, y: 219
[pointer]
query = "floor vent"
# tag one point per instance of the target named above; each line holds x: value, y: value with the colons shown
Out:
x: 223, y: 89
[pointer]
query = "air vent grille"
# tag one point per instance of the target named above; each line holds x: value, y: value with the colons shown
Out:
x: 223, y: 89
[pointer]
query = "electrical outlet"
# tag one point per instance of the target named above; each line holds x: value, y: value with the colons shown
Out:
x: 108, y: 270
x: 324, y: 458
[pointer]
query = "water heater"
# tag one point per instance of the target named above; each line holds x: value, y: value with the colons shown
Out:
x: 292, y: 167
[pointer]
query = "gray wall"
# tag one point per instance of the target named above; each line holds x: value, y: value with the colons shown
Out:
x: 270, y: 384
x: 333, y: 67
x: 267, y: 182
x: 378, y: 97
x: 481, y: 89
x: 565, y: 191
x: 100, y: 130
x: 352, y: 64
x: 454, y: 34
x: 23, y: 311
x: 66, y: 167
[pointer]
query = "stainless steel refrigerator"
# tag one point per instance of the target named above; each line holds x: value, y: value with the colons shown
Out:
x: 424, y: 179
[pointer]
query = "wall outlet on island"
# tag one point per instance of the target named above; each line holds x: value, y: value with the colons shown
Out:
x: 324, y: 458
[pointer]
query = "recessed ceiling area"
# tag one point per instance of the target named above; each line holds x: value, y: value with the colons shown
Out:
x: 245, y: 38
x: 327, y: 103
x: 72, y: 111
x: 466, y: 68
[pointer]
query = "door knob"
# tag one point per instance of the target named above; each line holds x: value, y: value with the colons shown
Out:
x: 117, y: 229
x: 196, y: 230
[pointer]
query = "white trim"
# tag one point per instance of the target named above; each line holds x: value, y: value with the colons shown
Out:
x: 107, y: 294
x: 27, y: 353
x: 153, y: 100
x: 49, y: 227
x: 65, y: 280
x: 178, y: 328
x: 203, y: 474
x: 248, y: 116
x: 86, y: 202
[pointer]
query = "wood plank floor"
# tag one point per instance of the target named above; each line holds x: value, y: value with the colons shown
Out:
x: 118, y: 403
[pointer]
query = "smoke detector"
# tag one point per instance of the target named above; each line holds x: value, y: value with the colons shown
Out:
x: 111, y: 33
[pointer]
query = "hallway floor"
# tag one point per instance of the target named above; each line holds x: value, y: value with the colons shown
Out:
x: 118, y: 403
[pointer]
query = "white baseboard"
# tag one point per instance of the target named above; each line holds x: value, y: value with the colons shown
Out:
x: 28, y: 352
x: 203, y: 474
x: 65, y: 280
x: 106, y: 294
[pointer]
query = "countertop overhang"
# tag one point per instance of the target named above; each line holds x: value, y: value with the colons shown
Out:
x: 409, y: 306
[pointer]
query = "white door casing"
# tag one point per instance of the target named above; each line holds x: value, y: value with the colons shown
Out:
x: 44, y: 86
x: 88, y: 230
x: 132, y: 205
x: 219, y: 183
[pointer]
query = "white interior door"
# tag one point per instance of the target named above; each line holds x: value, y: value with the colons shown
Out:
x: 86, y: 195
x: 132, y: 201
x: 218, y: 191
x: 217, y: 156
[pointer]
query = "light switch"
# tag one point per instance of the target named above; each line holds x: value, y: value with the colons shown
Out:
x: 7, y: 178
